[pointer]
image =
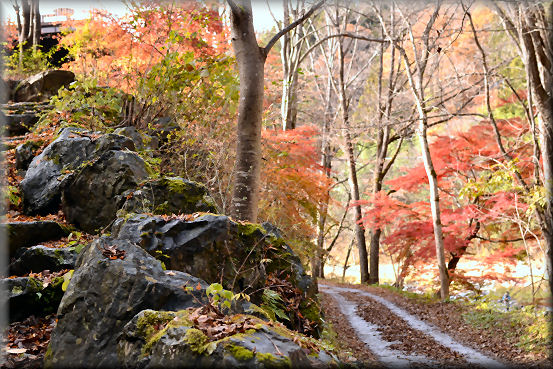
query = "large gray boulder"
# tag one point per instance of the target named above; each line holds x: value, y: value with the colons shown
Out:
x: 215, y: 248
x: 89, y: 198
x: 23, y: 234
x: 209, y: 246
x: 105, y: 294
x: 168, y: 195
x: 178, y: 343
x: 43, y: 85
x: 50, y: 171
x: 39, y: 258
x: 47, y: 173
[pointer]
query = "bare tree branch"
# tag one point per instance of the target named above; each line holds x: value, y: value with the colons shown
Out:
x: 290, y: 27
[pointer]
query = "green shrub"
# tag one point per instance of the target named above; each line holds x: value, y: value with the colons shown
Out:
x: 34, y: 61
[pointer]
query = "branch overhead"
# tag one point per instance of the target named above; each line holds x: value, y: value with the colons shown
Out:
x: 290, y: 27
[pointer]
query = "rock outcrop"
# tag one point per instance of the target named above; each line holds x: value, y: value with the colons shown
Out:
x: 105, y: 294
x: 39, y: 258
x: 168, y: 195
x: 28, y: 296
x: 180, y: 344
x: 51, y: 171
x: 42, y: 86
x: 23, y: 234
x: 215, y: 248
x: 25, y: 152
x: 20, y: 118
x: 90, y: 197
x: 48, y: 172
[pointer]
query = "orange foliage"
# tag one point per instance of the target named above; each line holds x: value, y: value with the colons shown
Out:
x: 118, y: 50
x: 293, y: 183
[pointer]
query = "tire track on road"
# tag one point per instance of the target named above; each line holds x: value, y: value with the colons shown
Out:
x: 384, y: 350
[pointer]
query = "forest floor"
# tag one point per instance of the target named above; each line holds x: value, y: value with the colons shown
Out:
x: 380, y: 327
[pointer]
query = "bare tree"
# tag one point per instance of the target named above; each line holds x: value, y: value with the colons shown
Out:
x: 291, y: 53
x: 435, y: 100
x: 395, y: 81
x: 343, y: 51
x: 530, y: 26
x: 28, y: 25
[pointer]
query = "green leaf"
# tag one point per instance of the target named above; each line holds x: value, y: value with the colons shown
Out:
x: 213, y: 288
x: 226, y: 294
x: 66, y: 279
x: 281, y: 314
x: 79, y: 248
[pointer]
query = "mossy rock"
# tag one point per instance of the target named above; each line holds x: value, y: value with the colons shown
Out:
x: 27, y: 296
x: 176, y: 342
x: 168, y: 195
x: 239, y: 255
x: 40, y: 257
x: 25, y: 152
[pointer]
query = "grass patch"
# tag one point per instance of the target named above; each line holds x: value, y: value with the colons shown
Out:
x: 527, y: 326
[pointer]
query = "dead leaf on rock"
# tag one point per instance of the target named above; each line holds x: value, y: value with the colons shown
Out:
x: 113, y: 253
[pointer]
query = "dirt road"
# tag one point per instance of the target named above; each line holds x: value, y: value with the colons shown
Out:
x: 384, y: 329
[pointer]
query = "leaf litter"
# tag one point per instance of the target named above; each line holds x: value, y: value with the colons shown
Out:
x: 25, y: 342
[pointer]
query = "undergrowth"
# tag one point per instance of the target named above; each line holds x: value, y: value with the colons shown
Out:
x: 528, y: 325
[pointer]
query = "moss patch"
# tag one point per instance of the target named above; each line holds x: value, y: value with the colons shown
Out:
x: 146, y: 324
x: 310, y: 309
x: 17, y: 290
x: 199, y: 342
x: 249, y: 229
x: 239, y: 353
x: 34, y: 285
x: 271, y: 361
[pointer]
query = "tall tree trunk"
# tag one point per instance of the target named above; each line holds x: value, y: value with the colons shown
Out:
x: 354, y: 188
x: 537, y: 41
x: 382, y: 143
x: 289, y: 105
x: 353, y: 182
x: 545, y: 110
x: 290, y: 53
x: 24, y: 29
x: 374, y: 248
x: 250, y: 60
x: 435, y: 207
x: 37, y: 27
x: 326, y: 164
x: 418, y: 91
x: 381, y: 149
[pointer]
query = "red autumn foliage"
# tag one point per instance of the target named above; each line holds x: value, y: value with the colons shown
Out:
x: 293, y: 183
x: 477, y: 185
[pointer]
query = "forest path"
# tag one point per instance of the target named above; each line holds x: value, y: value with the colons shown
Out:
x: 393, y: 336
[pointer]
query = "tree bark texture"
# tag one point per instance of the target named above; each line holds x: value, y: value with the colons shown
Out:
x: 435, y: 208
x: 536, y: 39
x: 250, y: 60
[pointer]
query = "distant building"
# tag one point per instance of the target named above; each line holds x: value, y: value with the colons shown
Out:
x: 51, y: 23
